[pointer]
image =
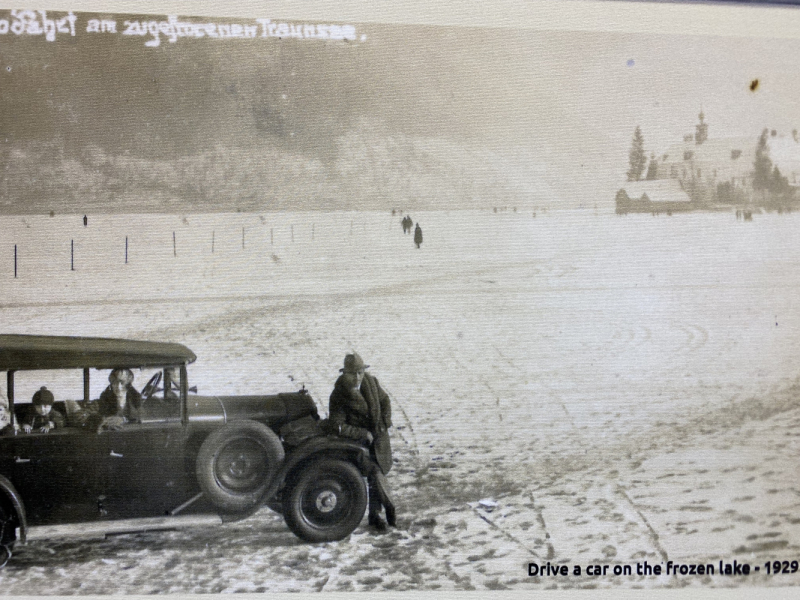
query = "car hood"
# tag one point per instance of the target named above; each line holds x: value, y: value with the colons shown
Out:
x: 274, y: 409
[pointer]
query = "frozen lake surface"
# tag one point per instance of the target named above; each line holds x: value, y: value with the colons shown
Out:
x: 624, y: 388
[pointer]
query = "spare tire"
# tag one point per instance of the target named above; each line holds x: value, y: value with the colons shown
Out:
x: 236, y: 464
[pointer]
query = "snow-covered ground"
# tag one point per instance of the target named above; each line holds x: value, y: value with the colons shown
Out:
x: 623, y: 388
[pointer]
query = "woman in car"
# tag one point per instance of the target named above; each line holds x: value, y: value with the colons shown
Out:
x: 120, y: 402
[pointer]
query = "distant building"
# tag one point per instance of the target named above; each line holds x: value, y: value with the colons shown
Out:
x: 717, y: 171
x: 659, y: 196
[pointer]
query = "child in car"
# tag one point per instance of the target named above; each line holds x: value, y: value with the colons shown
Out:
x: 43, y: 418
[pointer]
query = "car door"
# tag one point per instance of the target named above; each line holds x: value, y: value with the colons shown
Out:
x: 59, y: 474
x: 147, y: 474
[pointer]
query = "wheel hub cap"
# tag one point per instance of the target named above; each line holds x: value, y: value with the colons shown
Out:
x: 326, y: 502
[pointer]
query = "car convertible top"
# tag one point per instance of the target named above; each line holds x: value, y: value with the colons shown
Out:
x: 32, y: 352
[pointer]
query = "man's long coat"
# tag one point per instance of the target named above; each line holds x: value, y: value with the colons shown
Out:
x: 352, y: 413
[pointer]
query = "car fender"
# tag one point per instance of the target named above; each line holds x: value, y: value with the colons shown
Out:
x: 12, y: 494
x: 322, y: 446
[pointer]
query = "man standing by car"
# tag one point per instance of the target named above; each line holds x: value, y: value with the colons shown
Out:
x: 361, y: 410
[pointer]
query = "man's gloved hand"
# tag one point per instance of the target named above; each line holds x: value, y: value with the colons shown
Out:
x: 368, y: 437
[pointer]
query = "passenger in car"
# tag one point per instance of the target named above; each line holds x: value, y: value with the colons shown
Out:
x: 43, y: 418
x: 120, y: 402
x: 172, y: 385
x: 5, y: 418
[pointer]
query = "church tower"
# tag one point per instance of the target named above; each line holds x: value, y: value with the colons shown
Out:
x: 701, y: 134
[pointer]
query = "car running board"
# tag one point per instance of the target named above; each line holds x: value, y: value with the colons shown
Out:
x: 100, y: 529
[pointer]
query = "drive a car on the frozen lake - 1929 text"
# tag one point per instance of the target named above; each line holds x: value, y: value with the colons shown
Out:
x: 177, y: 453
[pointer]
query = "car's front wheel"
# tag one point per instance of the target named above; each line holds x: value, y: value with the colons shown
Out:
x: 325, y: 501
x: 236, y: 463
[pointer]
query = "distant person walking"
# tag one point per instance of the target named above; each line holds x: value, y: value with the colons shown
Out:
x: 418, y: 235
x: 85, y: 220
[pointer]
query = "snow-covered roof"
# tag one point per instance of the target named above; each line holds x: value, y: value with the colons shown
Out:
x: 658, y: 190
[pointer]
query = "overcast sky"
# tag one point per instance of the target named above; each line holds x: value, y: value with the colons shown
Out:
x: 562, y: 102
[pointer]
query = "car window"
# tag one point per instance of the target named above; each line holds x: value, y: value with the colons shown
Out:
x: 164, y: 402
x: 64, y: 384
x: 159, y: 388
x: 66, y: 387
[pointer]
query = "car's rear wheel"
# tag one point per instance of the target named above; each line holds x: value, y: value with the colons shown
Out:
x: 325, y: 501
x: 236, y: 463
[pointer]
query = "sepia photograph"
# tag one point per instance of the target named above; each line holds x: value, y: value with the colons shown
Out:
x: 338, y: 304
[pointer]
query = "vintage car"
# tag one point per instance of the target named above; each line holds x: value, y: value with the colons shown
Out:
x: 191, y: 453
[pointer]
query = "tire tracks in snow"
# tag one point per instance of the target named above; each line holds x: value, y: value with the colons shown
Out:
x: 654, y: 538
x: 506, y: 534
x: 619, y: 490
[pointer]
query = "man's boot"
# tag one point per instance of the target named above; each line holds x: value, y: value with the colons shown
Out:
x: 384, y: 496
x: 375, y: 519
x: 378, y: 523
x: 391, y: 517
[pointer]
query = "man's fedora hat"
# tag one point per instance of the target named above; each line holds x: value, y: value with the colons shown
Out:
x: 353, y: 363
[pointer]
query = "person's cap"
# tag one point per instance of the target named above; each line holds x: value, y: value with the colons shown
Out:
x: 353, y: 363
x: 43, y: 396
